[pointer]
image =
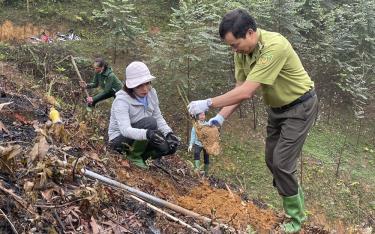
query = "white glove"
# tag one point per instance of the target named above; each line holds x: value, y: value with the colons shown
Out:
x: 190, y: 148
x: 218, y: 120
x: 196, y: 107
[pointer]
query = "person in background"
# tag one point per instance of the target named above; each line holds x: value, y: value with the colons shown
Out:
x: 198, y: 147
x: 45, y: 38
x: 136, y: 125
x: 106, y: 79
x: 267, y: 60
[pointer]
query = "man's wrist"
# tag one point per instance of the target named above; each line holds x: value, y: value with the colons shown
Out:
x: 209, y: 102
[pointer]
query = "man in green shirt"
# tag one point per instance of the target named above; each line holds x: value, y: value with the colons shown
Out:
x: 266, y: 60
x: 106, y: 79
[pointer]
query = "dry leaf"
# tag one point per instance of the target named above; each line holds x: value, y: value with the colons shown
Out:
x: 47, y: 194
x: 94, y: 156
x: 50, y: 100
x: 3, y: 128
x: 39, y: 150
x: 117, y: 229
x: 28, y: 186
x: 4, y: 104
x: 22, y: 119
x: 125, y: 163
x: 94, y: 226
x: 10, y: 152
x: 82, y: 131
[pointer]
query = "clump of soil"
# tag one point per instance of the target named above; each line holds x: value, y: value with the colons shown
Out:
x: 210, y: 138
x: 228, y: 207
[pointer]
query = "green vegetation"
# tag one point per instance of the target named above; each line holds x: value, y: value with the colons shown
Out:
x: 335, y: 39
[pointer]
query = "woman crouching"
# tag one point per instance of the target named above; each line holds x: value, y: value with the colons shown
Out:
x: 137, y: 126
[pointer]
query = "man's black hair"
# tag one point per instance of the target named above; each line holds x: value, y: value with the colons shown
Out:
x: 238, y: 22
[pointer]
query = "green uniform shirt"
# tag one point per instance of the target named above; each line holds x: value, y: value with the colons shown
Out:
x: 108, y: 81
x: 275, y: 65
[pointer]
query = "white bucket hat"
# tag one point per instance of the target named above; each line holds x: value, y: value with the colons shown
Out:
x: 137, y: 73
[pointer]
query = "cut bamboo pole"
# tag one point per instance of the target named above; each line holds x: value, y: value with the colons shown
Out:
x: 165, y: 213
x: 79, y: 74
x: 152, y: 199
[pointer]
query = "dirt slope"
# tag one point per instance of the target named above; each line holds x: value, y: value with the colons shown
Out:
x: 42, y: 190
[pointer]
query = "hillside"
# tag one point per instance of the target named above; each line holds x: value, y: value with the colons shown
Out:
x: 43, y: 188
x: 44, y: 191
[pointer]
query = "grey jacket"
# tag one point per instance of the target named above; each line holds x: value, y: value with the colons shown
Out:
x: 127, y: 110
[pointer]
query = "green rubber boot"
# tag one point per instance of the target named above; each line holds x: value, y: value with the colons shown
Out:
x: 206, y: 169
x: 302, y: 199
x: 136, y: 153
x: 197, y: 165
x: 293, y: 207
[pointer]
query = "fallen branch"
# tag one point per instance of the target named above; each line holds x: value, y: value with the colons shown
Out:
x: 165, y: 213
x: 58, y: 205
x: 4, y: 104
x: 10, y: 223
x: 152, y: 199
x: 166, y: 171
x: 13, y: 142
x: 57, y: 217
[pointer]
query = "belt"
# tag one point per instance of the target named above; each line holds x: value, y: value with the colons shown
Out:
x: 304, y: 97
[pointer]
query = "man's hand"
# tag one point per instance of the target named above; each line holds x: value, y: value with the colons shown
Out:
x: 218, y: 120
x: 155, y: 137
x: 82, y: 84
x: 196, y: 107
x: 89, y: 100
x: 190, y: 148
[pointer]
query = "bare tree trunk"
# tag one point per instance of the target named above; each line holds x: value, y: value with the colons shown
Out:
x: 301, y: 170
x: 28, y: 6
x: 329, y: 110
x: 341, y: 155
x: 240, y: 111
x: 232, y: 70
x: 359, y: 131
x: 254, y: 113
x: 115, y: 52
x: 188, y: 127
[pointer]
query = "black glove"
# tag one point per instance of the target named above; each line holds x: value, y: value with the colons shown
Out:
x: 173, y: 140
x: 155, y: 137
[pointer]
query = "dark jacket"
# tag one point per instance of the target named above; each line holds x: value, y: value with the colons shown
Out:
x: 108, y: 81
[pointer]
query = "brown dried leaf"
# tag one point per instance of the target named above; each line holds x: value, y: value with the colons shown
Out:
x: 82, y: 131
x: 58, y: 132
x: 94, y: 156
x: 94, y: 226
x: 28, y: 186
x: 50, y: 100
x: 22, y: 119
x: 10, y: 152
x: 125, y: 163
x: 3, y: 128
x: 116, y: 228
x: 39, y: 150
x: 47, y: 194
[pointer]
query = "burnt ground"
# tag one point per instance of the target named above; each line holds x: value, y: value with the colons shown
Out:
x: 43, y: 191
